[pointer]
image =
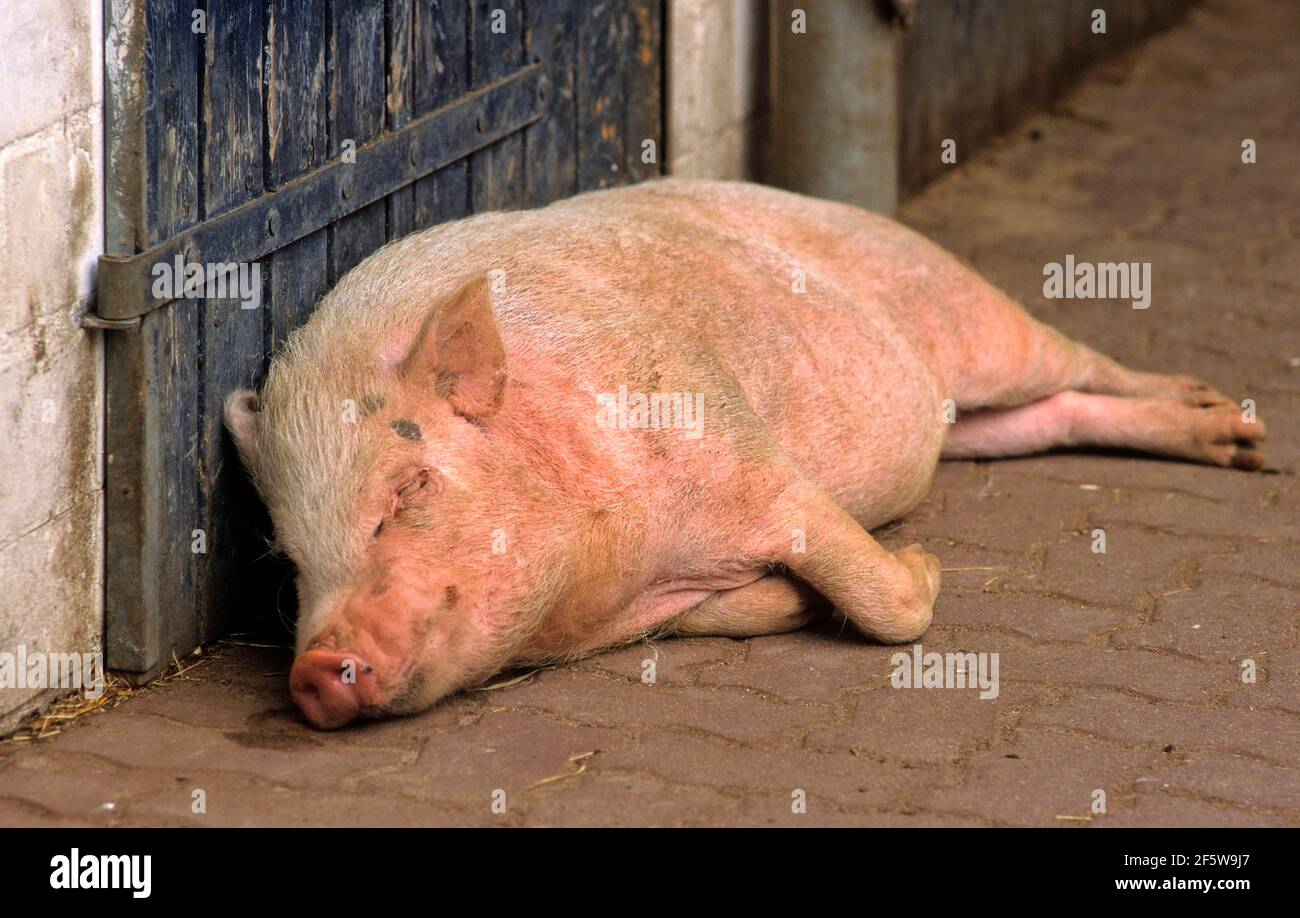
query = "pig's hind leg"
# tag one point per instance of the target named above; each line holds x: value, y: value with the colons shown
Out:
x: 1038, y: 390
x: 1019, y: 360
x: 1214, y: 433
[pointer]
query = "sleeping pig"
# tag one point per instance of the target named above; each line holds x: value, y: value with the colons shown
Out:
x: 673, y: 408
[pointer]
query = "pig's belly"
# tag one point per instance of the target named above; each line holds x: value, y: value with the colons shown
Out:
x: 847, y: 395
x: 869, y: 432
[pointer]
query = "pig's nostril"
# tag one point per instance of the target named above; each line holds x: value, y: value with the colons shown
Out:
x: 326, y: 686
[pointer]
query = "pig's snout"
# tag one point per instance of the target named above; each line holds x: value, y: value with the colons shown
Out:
x: 330, y: 687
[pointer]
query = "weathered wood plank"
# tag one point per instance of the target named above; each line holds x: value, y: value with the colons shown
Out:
x: 550, y: 146
x: 928, y: 83
x: 1079, y: 39
x: 171, y: 121
x: 440, y: 45
x: 497, y: 33
x: 232, y: 331
x: 399, y: 25
x: 297, y: 113
x: 297, y: 118
x: 357, y: 102
x: 643, y: 89
x: 986, y: 31
x: 1046, y: 51
x: 600, y: 96
x: 174, y: 513
x: 232, y: 105
x: 154, y: 398
x: 296, y: 100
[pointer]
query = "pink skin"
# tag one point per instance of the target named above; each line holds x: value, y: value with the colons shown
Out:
x: 479, y: 515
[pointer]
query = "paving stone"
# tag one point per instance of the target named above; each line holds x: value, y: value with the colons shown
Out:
x: 1220, y: 620
x: 1110, y: 715
x: 504, y: 751
x: 626, y: 800
x: 674, y: 661
x: 935, y: 726
x: 822, y: 664
x: 1147, y: 673
x: 1039, y: 776
x: 1276, y: 684
x: 1275, y: 561
x: 1152, y: 809
x: 1238, y: 781
x: 1038, y: 617
x: 735, y: 714
x: 838, y: 779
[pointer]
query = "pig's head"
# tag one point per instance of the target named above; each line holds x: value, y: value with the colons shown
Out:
x: 384, y: 460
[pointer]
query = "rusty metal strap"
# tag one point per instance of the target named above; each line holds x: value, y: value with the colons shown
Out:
x: 317, y: 199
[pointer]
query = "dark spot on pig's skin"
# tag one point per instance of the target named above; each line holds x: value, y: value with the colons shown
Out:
x: 450, y: 595
x: 370, y: 404
x: 407, y: 429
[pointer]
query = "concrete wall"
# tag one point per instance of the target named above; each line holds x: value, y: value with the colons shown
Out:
x: 51, y: 229
x: 716, y: 87
x: 832, y: 127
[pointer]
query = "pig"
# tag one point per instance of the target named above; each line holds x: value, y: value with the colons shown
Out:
x: 675, y: 408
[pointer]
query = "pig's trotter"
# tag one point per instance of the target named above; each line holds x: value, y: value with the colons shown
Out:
x: 888, y: 596
x: 924, y: 568
x: 770, y: 605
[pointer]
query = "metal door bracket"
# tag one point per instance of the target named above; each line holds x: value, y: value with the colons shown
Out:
x: 127, y: 288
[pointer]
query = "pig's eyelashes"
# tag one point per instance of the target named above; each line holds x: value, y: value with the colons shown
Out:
x: 420, y: 481
x: 417, y: 482
x: 411, y: 487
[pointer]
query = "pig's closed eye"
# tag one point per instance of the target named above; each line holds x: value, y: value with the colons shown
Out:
x: 421, y: 484
x: 419, y: 481
x: 403, y: 493
x: 412, y: 486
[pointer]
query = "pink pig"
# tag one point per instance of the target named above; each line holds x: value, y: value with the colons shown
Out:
x: 673, y: 408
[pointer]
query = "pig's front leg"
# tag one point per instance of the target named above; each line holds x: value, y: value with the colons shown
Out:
x: 888, y: 596
x: 770, y: 605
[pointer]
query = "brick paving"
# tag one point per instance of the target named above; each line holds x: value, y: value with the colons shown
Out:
x: 1120, y: 672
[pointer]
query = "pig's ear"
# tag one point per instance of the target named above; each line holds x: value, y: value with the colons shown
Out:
x: 244, y: 421
x: 458, y: 353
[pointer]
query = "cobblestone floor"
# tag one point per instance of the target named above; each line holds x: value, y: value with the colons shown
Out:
x: 1119, y: 672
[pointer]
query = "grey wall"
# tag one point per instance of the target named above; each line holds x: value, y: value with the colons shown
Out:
x: 969, y: 68
x: 832, y: 114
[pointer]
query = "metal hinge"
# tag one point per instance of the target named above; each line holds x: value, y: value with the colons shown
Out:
x: 126, y: 283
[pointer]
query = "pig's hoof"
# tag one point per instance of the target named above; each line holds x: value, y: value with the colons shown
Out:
x: 924, y: 568
x: 1224, y: 436
x: 915, y: 608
